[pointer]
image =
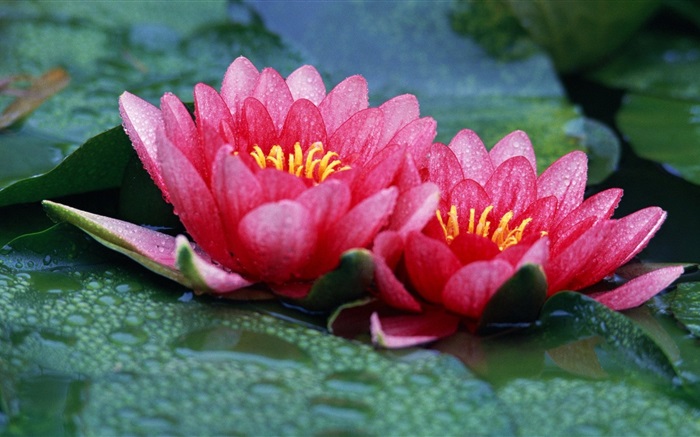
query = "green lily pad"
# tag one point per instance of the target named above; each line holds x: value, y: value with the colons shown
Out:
x: 409, y: 47
x: 96, y: 165
x: 347, y: 283
x: 92, y: 346
x: 621, y: 408
x: 661, y: 115
x: 106, y: 51
x: 664, y: 130
x: 518, y: 302
x: 586, y: 317
x: 557, y: 26
x: 684, y: 304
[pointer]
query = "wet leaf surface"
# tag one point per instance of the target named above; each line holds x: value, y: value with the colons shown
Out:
x: 92, y: 344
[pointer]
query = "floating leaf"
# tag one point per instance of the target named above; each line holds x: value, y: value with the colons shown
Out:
x: 684, y: 304
x: 664, y: 130
x: 661, y: 115
x: 83, y: 324
x: 106, y: 51
x: 410, y: 47
x: 586, y: 317
x: 517, y: 302
x: 348, y: 282
x: 96, y: 165
x: 29, y: 99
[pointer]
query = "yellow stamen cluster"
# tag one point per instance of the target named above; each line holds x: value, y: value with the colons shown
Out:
x: 315, y: 164
x: 503, y: 235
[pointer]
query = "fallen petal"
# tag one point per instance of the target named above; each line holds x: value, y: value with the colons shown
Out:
x: 405, y: 331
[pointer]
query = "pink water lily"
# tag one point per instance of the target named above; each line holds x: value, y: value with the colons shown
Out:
x: 274, y: 178
x: 496, y: 215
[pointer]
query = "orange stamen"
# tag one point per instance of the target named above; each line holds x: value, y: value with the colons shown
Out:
x: 299, y: 163
x: 503, y: 236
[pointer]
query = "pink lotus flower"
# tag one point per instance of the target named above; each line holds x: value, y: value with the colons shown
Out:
x: 274, y: 179
x: 495, y: 217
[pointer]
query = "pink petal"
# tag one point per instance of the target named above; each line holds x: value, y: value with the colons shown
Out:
x: 390, y: 290
x: 468, y: 291
x: 466, y: 195
x: 211, y: 113
x: 355, y: 141
x: 379, y: 173
x: 521, y: 254
x: 278, y: 185
x: 360, y: 225
x: 272, y: 91
x: 204, y: 276
x: 566, y: 180
x: 408, y: 175
x: 389, y: 246
x: 277, y: 240
x: 181, y: 130
x: 306, y: 83
x: 471, y: 247
x: 472, y: 156
x: 568, y: 262
x: 303, y: 125
x: 600, y: 206
x: 627, y: 238
x: 541, y: 211
x: 237, y: 191
x: 258, y: 128
x: 346, y: 99
x: 141, y: 121
x: 640, y: 289
x: 512, y: 187
x: 444, y: 169
x: 417, y: 137
x: 238, y: 84
x: 327, y: 202
x: 514, y: 144
x: 139, y: 243
x: 398, y: 112
x: 405, y: 331
x: 415, y: 208
x: 429, y: 263
x: 192, y: 201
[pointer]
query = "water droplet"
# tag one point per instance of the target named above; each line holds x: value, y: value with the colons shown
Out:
x: 127, y: 286
x: 128, y: 336
x: 353, y: 382
x: 108, y: 300
x: 223, y: 343
x: 78, y: 320
x: 53, y: 282
x: 133, y: 320
x: 341, y: 409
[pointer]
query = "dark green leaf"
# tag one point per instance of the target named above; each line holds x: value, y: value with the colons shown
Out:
x: 152, y: 363
x: 409, y: 47
x: 348, y: 282
x: 106, y: 51
x: 518, y: 302
x: 664, y: 130
x: 586, y: 317
x: 96, y: 165
x: 579, y: 34
x: 684, y: 304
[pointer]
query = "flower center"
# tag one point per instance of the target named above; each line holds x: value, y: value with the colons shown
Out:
x: 504, y: 236
x: 315, y: 164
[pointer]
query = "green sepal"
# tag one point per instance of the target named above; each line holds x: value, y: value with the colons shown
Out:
x: 348, y: 282
x: 517, y: 302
